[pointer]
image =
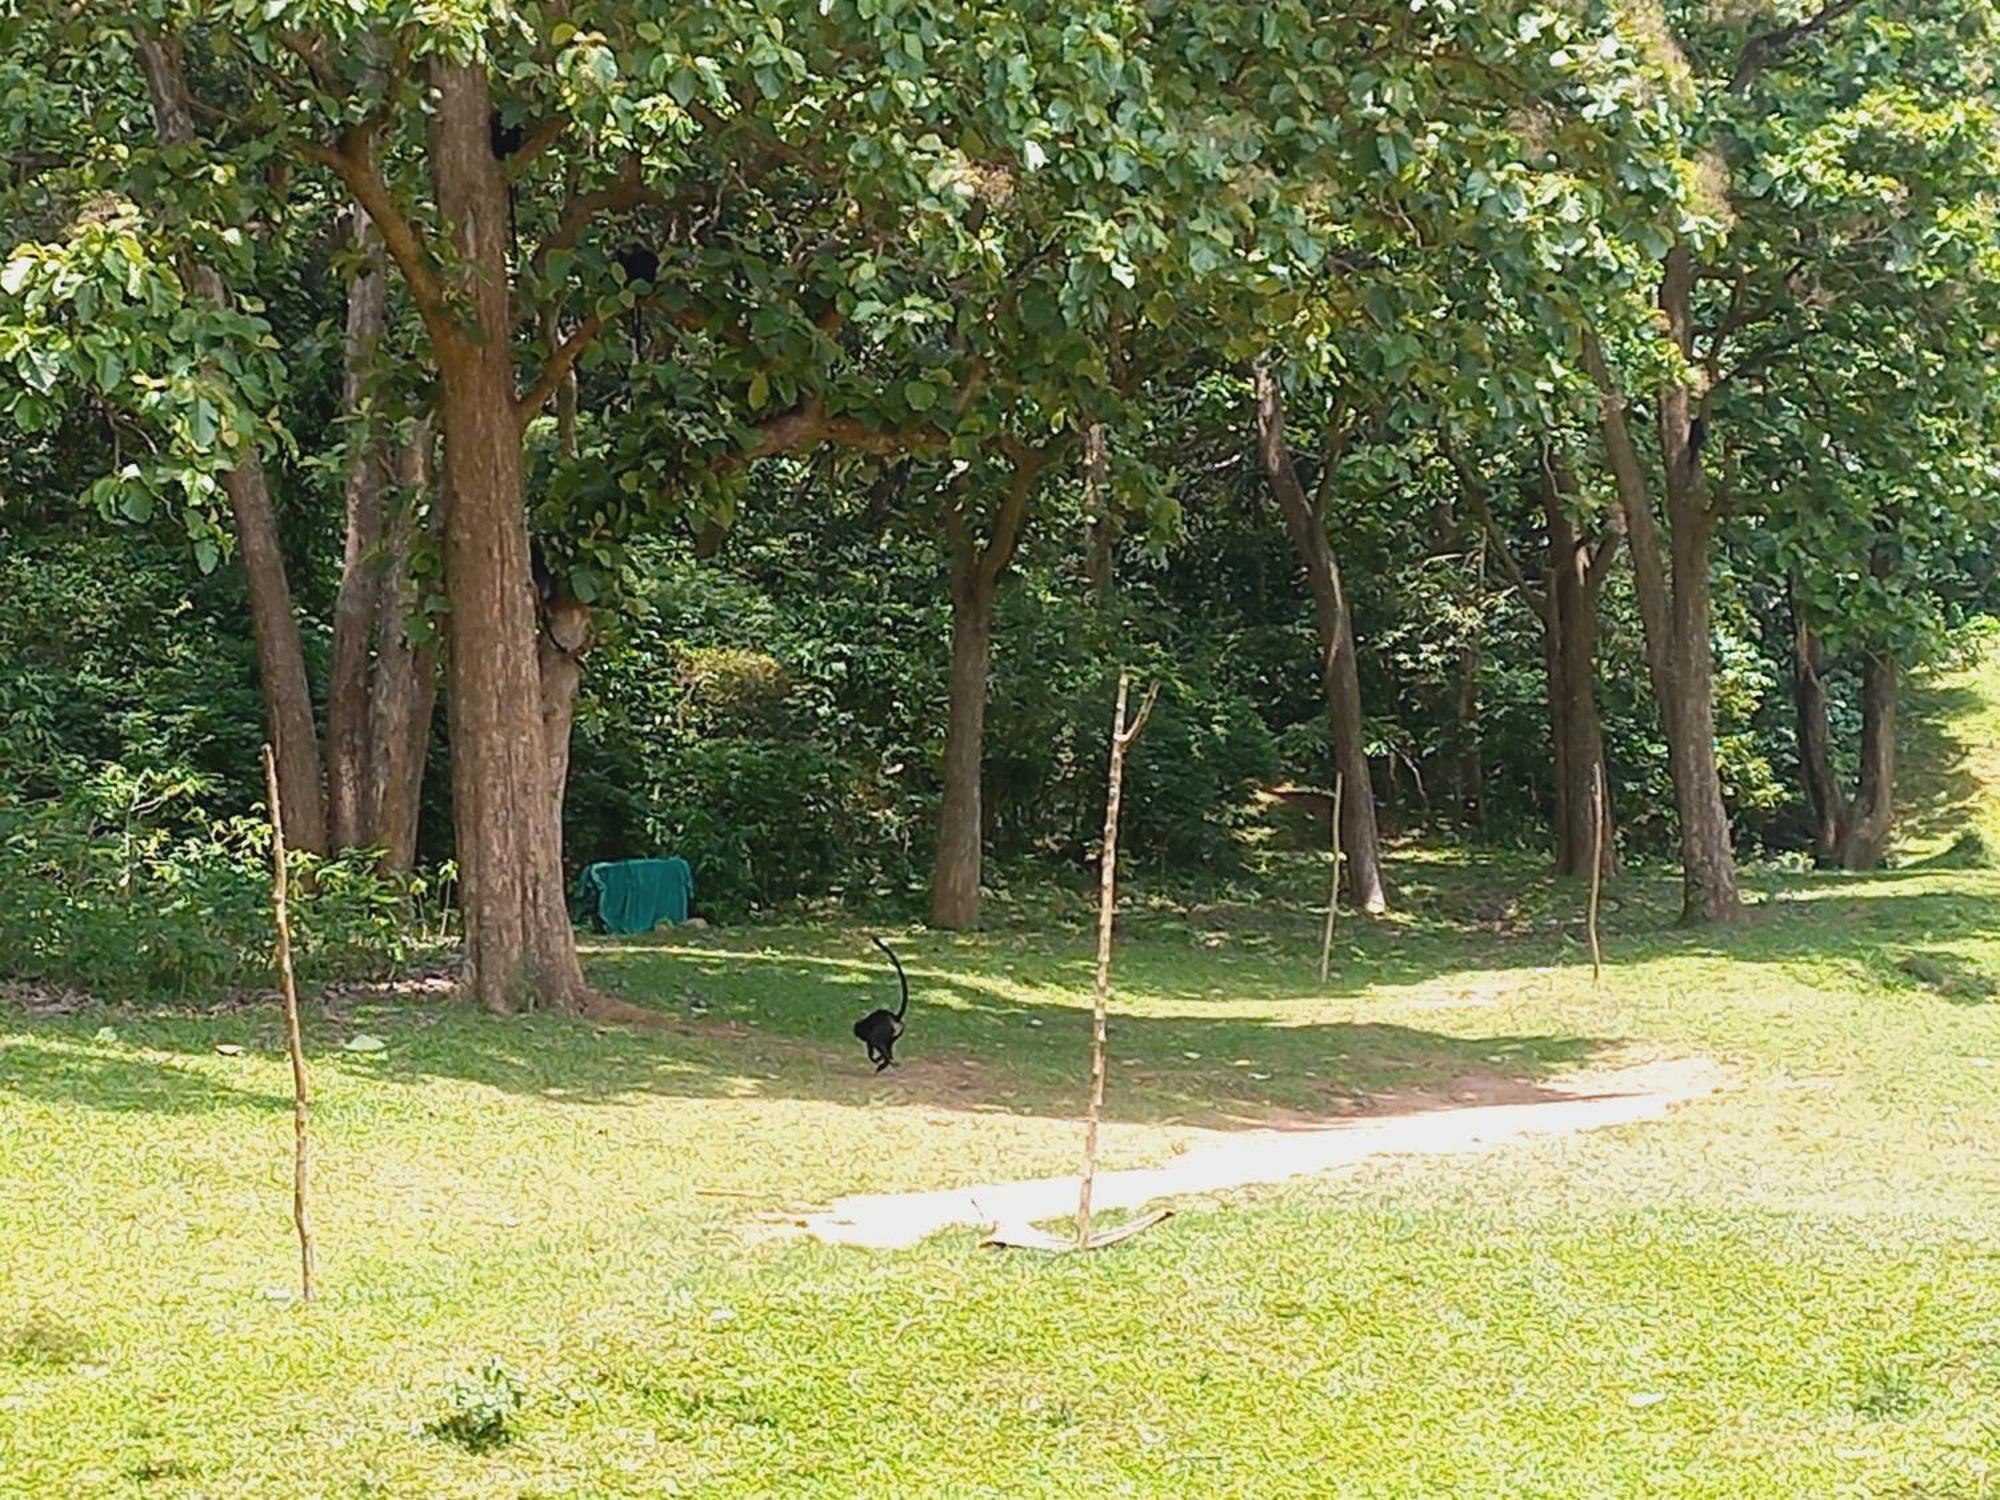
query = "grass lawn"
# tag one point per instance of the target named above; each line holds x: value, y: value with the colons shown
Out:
x: 1791, y: 1288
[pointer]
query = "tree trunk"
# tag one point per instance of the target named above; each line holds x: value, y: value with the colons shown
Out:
x: 1471, y: 789
x: 405, y: 687
x: 565, y: 633
x: 357, y: 605
x: 1865, y: 838
x: 1676, y: 615
x: 955, y: 879
x: 1576, y: 730
x: 1339, y: 675
x: 281, y: 662
x: 1822, y: 787
x: 519, y: 948
x: 1101, y: 526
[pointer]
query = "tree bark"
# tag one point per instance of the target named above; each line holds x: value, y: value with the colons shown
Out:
x: 519, y: 945
x: 955, y: 879
x: 1339, y: 674
x: 1101, y: 526
x: 565, y: 633
x: 1865, y: 837
x: 358, y: 604
x: 1822, y: 787
x: 405, y: 688
x: 976, y: 571
x: 1676, y: 608
x: 281, y: 662
x: 1576, y: 729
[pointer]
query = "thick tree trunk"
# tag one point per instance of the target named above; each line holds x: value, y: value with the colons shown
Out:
x: 1676, y: 614
x: 281, y: 662
x: 358, y: 603
x: 405, y: 687
x: 519, y: 945
x: 1822, y: 787
x: 1339, y: 674
x: 1865, y: 837
x: 955, y: 879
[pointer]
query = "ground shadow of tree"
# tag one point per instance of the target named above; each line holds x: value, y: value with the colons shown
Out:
x: 1003, y: 1031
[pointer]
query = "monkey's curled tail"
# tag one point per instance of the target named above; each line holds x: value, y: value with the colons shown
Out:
x: 900, y: 978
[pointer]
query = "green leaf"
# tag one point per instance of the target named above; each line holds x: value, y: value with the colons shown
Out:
x: 760, y: 390
x: 921, y: 394
x: 202, y: 423
x: 206, y: 556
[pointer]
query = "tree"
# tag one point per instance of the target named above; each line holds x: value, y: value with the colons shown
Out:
x: 1305, y: 523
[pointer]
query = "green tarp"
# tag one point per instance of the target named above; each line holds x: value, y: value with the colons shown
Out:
x: 636, y: 895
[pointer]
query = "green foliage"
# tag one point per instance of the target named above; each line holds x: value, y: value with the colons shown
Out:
x: 481, y: 1406
x: 99, y: 890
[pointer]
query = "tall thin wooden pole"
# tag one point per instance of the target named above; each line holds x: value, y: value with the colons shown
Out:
x: 293, y: 1042
x: 1122, y: 736
x: 1596, y: 866
x: 1333, y: 891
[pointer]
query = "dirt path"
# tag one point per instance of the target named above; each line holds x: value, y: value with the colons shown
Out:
x: 1582, y: 1101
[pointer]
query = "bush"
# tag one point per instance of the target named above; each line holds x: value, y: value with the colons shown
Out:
x: 97, y: 893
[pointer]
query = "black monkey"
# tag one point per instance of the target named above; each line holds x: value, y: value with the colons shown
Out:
x: 641, y: 265
x: 879, y: 1029
x: 505, y: 140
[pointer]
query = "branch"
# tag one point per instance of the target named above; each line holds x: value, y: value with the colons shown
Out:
x: 352, y: 164
x: 1131, y: 731
x: 1475, y: 496
x: 627, y: 191
x: 1013, y: 516
x: 546, y: 135
x: 1339, y: 430
x: 1762, y: 50
x: 559, y: 365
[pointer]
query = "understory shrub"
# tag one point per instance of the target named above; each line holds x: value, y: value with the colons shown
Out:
x: 105, y: 889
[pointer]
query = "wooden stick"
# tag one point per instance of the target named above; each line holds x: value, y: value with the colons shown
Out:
x: 1596, y: 866
x: 1122, y: 736
x: 1333, y: 891
x: 292, y: 1040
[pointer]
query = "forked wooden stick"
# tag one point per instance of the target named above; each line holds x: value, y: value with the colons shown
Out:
x: 292, y: 1039
x: 1596, y: 867
x: 1122, y: 736
x: 1333, y: 891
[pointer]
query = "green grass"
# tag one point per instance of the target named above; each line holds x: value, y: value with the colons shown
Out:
x: 1789, y: 1289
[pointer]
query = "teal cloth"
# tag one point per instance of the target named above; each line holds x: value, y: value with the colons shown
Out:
x: 636, y: 895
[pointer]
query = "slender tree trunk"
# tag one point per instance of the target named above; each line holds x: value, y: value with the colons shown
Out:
x: 519, y: 945
x: 1676, y: 610
x: 281, y: 663
x: 976, y: 572
x: 1870, y: 817
x: 1471, y: 790
x: 1822, y: 787
x: 357, y: 606
x: 405, y: 686
x: 955, y: 880
x: 1340, y: 676
x: 1101, y: 536
x: 565, y: 633
x: 1570, y: 631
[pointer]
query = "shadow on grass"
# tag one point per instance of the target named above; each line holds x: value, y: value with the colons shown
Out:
x: 1218, y: 1019
x: 62, y: 1063
x: 1000, y: 1027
